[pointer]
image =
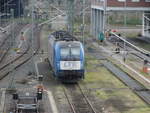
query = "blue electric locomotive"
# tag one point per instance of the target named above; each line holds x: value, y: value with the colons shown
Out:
x: 66, y: 56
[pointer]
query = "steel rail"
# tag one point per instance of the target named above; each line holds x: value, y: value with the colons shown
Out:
x: 87, y: 101
x: 6, y: 49
x: 5, y: 45
x: 17, y: 58
x: 13, y: 61
x: 86, y: 98
x: 71, y: 105
x: 133, y: 84
x: 138, y: 88
x: 7, y: 36
x: 22, y: 61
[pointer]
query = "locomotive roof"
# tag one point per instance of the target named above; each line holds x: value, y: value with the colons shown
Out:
x: 63, y: 36
x: 69, y: 42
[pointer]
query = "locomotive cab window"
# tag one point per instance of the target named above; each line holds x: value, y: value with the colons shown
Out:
x: 64, y: 52
x: 75, y: 51
x: 70, y: 53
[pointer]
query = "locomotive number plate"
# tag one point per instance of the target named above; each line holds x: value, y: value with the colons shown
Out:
x: 70, y: 65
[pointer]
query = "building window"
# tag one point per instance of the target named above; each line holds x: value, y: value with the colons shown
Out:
x: 121, y: 0
x: 135, y: 0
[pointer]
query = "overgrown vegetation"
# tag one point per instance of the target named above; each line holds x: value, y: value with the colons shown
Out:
x: 122, y: 18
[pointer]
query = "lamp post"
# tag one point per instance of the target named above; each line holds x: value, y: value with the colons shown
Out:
x: 125, y: 15
x: 83, y: 21
x: 12, y: 84
x: 125, y: 19
x: 70, y: 15
x: 32, y: 41
x: 105, y: 18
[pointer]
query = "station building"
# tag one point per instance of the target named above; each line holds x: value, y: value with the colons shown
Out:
x: 99, y: 9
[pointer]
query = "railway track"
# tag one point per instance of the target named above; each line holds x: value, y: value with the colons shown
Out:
x: 133, y: 84
x: 18, y: 61
x: 4, y: 48
x: 139, y: 89
x: 78, y: 101
x: 5, y: 44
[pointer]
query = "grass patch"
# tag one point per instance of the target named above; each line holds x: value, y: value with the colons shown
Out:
x: 132, y: 35
x: 102, y: 76
x: 114, y: 95
x: 144, y: 46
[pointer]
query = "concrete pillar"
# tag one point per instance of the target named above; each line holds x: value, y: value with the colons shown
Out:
x: 97, y: 21
x: 95, y: 29
x: 94, y: 22
x: 98, y: 24
x: 143, y: 26
x: 91, y: 22
x: 101, y: 21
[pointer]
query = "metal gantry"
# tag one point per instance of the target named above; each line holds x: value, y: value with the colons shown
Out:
x: 12, y: 41
x: 70, y: 15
